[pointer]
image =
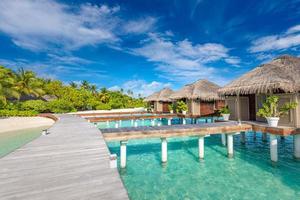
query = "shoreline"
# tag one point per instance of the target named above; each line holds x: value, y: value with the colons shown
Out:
x: 20, y: 123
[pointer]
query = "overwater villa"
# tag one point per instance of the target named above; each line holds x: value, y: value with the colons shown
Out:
x: 160, y: 100
x: 201, y: 97
x: 245, y: 95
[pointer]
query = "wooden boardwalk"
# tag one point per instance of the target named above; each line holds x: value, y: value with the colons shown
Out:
x: 72, y: 162
x: 173, y: 130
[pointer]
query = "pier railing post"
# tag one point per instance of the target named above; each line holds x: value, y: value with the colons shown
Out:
x: 230, y: 145
x: 164, y: 150
x: 169, y: 121
x: 201, y: 147
x: 123, y: 150
x: 297, y: 146
x: 273, y: 148
x: 183, y: 121
x: 135, y: 123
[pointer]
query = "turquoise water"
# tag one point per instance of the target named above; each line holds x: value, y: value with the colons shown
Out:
x: 249, y: 175
x: 147, y: 122
x: 9, y: 141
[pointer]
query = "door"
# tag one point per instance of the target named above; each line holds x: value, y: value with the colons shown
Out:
x: 165, y: 107
x: 206, y: 108
x: 252, y: 107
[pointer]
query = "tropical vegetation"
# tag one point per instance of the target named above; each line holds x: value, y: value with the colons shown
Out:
x: 224, y: 110
x: 270, y: 107
x: 23, y: 93
x: 181, y: 106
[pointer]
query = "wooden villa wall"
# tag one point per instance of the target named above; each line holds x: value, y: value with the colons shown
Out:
x: 165, y: 107
x: 158, y: 107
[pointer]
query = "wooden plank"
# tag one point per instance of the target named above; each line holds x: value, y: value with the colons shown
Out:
x: 72, y: 162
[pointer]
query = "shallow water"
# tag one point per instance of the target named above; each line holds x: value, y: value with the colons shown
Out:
x: 249, y: 175
x: 9, y: 141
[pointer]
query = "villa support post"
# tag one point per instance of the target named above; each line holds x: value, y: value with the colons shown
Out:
x: 273, y: 148
x: 243, y: 137
x: 132, y: 122
x: 223, y: 139
x: 297, y: 146
x: 123, y: 153
x: 117, y: 125
x: 120, y: 123
x: 264, y: 137
x: 201, y: 147
x: 107, y: 123
x: 169, y: 121
x: 238, y: 108
x: 164, y: 150
x: 152, y: 122
x: 230, y: 145
x: 183, y: 121
x: 135, y: 123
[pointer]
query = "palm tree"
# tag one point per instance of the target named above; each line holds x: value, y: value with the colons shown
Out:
x: 28, y: 84
x: 93, y: 89
x: 85, y: 85
x: 7, y: 88
x: 73, y: 84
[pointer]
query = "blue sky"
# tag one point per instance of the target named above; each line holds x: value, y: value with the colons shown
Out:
x: 146, y: 45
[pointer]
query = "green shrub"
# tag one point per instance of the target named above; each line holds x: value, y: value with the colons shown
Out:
x: 103, y: 106
x: 36, y: 105
x: 61, y: 106
x: 17, y: 113
x: 181, y: 106
x: 225, y: 110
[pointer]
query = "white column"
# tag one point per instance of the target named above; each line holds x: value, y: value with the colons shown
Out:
x: 238, y: 108
x: 123, y: 154
x: 135, y: 123
x: 230, y: 145
x: 107, y: 124
x: 113, y: 161
x: 117, y: 125
x: 132, y: 122
x: 152, y: 122
x: 164, y: 150
x: 120, y: 123
x: 264, y: 137
x: 183, y: 121
x: 169, y: 121
x: 243, y: 137
x: 223, y: 139
x: 201, y: 147
x: 273, y: 148
x: 297, y: 146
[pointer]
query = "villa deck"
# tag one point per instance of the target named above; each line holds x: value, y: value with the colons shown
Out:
x: 72, y: 162
x: 173, y: 130
x: 128, y: 117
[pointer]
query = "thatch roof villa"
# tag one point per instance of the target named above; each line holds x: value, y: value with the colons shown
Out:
x: 281, y: 76
x: 201, y: 97
x: 160, y: 100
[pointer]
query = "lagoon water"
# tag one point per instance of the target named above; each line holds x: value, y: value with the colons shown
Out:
x: 249, y: 175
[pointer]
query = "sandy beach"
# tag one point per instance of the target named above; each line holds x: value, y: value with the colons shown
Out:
x: 20, y: 123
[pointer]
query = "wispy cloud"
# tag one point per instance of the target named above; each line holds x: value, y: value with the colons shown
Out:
x: 141, y: 87
x: 182, y: 60
x: 139, y: 26
x: 286, y: 40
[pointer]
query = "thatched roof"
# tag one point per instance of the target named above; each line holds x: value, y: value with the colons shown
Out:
x: 201, y: 89
x: 281, y: 74
x: 162, y: 95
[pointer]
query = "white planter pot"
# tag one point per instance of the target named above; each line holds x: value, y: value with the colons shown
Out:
x: 272, y: 121
x: 226, y: 117
x: 184, y: 112
x: 171, y: 111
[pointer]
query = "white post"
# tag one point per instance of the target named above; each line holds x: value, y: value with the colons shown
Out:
x: 169, y: 121
x: 123, y: 153
x: 243, y: 137
x: 273, y: 148
x: 230, y: 145
x: 183, y: 121
x: 107, y: 124
x: 113, y: 161
x: 132, y: 122
x: 164, y: 150
x: 223, y: 139
x: 297, y: 146
x: 135, y: 123
x: 238, y: 108
x: 152, y: 122
x: 264, y: 137
x: 117, y: 125
x: 120, y: 122
x: 201, y: 147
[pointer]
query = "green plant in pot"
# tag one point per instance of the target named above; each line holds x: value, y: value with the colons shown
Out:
x: 272, y: 112
x: 182, y: 107
x: 172, y: 107
x: 225, y: 112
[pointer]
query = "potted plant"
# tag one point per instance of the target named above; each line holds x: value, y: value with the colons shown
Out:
x: 182, y: 107
x: 172, y: 107
x: 225, y: 112
x: 272, y: 112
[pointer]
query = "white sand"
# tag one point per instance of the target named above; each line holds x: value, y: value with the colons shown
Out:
x: 20, y: 123
x: 141, y: 109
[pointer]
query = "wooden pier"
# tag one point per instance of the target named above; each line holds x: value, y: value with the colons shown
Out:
x: 72, y: 162
x: 129, y: 117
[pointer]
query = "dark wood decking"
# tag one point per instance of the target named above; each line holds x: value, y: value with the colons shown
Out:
x: 72, y: 162
x: 173, y: 130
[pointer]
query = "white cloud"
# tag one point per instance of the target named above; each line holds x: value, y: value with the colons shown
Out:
x: 141, y: 87
x: 140, y: 26
x: 233, y: 60
x: 47, y: 24
x: 182, y: 61
x: 291, y: 38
